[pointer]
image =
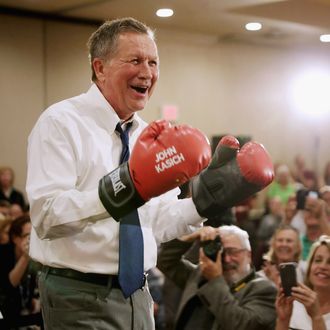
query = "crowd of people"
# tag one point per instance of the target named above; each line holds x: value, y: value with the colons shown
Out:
x: 67, y: 252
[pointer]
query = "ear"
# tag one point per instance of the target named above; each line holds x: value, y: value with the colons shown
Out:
x: 98, y: 66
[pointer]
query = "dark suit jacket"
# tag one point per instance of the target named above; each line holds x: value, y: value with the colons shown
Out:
x: 250, y: 307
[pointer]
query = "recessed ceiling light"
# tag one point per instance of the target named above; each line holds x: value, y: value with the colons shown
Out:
x: 253, y: 26
x: 164, y: 12
x: 325, y: 37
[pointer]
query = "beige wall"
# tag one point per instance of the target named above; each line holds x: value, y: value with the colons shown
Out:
x: 219, y: 87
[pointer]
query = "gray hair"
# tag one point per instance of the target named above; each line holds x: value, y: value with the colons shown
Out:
x: 103, y: 42
x: 236, y: 231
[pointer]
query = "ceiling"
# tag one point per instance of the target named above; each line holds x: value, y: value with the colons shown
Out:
x: 284, y: 21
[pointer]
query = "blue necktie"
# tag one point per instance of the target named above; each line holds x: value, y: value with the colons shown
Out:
x: 130, y: 275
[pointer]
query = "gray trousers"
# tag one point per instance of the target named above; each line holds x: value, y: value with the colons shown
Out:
x: 71, y: 304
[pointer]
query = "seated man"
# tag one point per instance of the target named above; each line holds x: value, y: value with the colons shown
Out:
x: 221, y: 294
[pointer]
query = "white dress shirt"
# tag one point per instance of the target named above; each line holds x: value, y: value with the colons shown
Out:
x: 301, y: 320
x: 71, y: 147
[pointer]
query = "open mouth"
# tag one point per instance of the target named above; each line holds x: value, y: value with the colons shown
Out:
x: 141, y: 90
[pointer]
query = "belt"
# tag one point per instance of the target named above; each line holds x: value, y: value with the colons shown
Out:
x: 100, y: 279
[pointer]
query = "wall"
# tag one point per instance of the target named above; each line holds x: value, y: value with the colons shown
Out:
x: 220, y: 88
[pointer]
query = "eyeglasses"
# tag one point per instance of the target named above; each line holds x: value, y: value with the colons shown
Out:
x: 232, y: 252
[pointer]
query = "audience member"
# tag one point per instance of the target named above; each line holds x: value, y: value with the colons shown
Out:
x: 18, y: 273
x: 225, y: 293
x: 7, y: 190
x: 309, y: 306
x: 316, y: 222
x: 282, y: 186
x: 285, y: 246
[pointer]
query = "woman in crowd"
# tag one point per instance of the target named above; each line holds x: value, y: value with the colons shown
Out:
x: 309, y: 306
x: 285, y: 246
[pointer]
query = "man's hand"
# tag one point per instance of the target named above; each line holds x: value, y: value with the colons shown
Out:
x: 202, y: 234
x: 210, y: 269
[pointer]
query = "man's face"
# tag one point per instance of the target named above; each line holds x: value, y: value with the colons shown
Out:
x: 128, y: 78
x: 285, y: 245
x: 236, y: 259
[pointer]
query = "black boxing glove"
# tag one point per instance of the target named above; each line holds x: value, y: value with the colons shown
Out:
x: 233, y: 175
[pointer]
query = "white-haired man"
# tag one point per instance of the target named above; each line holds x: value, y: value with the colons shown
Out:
x: 224, y: 293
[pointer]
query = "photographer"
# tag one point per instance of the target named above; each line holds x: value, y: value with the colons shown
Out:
x: 224, y: 293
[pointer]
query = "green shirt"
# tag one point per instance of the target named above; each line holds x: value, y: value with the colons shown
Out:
x: 277, y: 190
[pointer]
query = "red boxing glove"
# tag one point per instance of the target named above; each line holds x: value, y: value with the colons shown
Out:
x: 163, y: 158
x: 233, y: 175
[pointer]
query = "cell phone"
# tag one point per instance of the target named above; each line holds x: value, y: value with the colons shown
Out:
x: 288, y: 276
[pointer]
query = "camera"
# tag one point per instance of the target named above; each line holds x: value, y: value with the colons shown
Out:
x: 212, y: 247
x: 301, y: 196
